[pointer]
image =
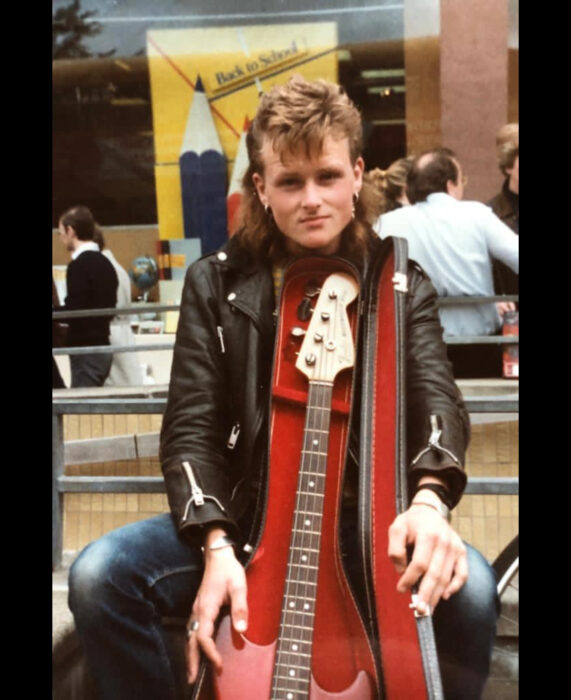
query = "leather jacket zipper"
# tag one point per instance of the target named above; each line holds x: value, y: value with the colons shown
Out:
x: 233, y: 437
x: 197, y: 495
x: 220, y: 332
x: 434, y: 441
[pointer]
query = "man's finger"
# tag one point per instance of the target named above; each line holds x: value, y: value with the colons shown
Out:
x: 438, y: 575
x: 397, y: 545
x: 460, y: 575
x: 192, y: 657
x: 239, y: 607
x: 418, y: 566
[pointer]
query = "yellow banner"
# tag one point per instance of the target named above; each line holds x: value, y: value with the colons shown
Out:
x: 234, y: 64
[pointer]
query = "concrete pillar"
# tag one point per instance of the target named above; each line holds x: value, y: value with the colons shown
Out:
x: 474, y: 87
x: 422, y: 74
x: 456, y: 68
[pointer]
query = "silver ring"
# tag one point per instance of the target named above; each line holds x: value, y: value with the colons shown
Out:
x: 194, y: 625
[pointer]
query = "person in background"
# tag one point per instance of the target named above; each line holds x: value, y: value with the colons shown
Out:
x: 391, y: 183
x: 91, y: 284
x: 125, y: 368
x: 505, y: 204
x: 454, y: 241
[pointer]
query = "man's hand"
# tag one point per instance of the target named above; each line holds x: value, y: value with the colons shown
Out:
x: 223, y: 582
x: 439, y: 555
x: 504, y: 306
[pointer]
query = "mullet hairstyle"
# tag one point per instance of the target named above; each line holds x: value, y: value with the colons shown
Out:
x: 437, y: 167
x: 81, y: 221
x: 296, y: 118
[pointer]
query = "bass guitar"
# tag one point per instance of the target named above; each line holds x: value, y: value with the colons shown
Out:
x: 306, y: 638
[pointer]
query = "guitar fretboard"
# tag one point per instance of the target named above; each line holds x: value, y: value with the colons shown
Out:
x: 292, y: 666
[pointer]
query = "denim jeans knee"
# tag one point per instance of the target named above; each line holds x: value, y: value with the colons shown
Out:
x: 120, y: 587
x: 465, y: 628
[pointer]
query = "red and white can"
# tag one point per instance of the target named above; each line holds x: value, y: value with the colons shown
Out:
x: 511, y: 350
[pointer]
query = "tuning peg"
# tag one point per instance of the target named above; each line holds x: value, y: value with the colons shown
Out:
x: 312, y: 289
x: 297, y: 332
x: 304, y: 309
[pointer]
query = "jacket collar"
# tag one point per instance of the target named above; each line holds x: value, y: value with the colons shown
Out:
x: 250, y: 284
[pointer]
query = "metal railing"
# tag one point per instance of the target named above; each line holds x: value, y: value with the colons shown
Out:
x: 152, y: 308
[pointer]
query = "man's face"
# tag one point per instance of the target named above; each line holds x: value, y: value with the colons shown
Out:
x: 67, y: 237
x: 311, y: 199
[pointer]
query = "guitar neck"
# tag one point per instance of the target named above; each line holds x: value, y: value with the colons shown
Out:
x: 292, y: 667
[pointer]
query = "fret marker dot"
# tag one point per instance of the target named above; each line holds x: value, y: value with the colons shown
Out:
x: 292, y: 605
x: 289, y: 696
x: 294, y: 647
x: 303, y: 557
x: 316, y: 442
x: 308, y: 522
x: 292, y: 673
x: 306, y: 606
x: 312, y: 484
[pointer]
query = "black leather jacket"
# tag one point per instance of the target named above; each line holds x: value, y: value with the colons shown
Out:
x: 214, y: 434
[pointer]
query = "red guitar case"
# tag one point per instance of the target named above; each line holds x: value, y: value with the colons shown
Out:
x: 408, y: 664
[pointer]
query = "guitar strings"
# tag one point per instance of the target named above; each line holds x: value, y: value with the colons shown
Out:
x: 301, y: 588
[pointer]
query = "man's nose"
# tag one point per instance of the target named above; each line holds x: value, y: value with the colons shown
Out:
x: 311, y: 195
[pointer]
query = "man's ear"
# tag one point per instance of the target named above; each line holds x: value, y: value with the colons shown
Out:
x: 455, y: 189
x: 258, y: 181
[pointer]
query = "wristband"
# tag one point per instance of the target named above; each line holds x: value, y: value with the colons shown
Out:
x: 220, y: 543
x: 440, y: 490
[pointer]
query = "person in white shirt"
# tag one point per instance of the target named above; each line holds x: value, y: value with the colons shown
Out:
x: 454, y: 241
x: 125, y: 369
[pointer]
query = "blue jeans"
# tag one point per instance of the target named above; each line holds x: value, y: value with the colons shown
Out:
x: 122, y: 584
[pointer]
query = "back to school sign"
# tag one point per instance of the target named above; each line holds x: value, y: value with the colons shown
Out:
x: 205, y: 86
x: 256, y: 66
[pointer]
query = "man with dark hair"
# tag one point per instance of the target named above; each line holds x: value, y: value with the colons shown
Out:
x: 91, y: 284
x: 454, y: 241
x: 431, y: 172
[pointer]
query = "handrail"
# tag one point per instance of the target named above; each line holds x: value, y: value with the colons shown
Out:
x: 151, y: 307
x: 144, y: 308
x: 104, y: 349
x: 169, y: 345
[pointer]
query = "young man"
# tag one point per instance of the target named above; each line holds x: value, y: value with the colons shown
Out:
x: 91, y: 284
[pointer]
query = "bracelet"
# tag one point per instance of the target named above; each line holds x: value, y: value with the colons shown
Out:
x: 442, y: 510
x: 220, y: 543
x: 441, y: 491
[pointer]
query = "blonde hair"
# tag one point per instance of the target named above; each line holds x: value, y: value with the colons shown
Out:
x: 391, y: 183
x: 507, y: 146
x: 297, y: 117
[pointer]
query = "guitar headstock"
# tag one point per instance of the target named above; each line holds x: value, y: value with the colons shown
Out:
x: 328, y: 346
